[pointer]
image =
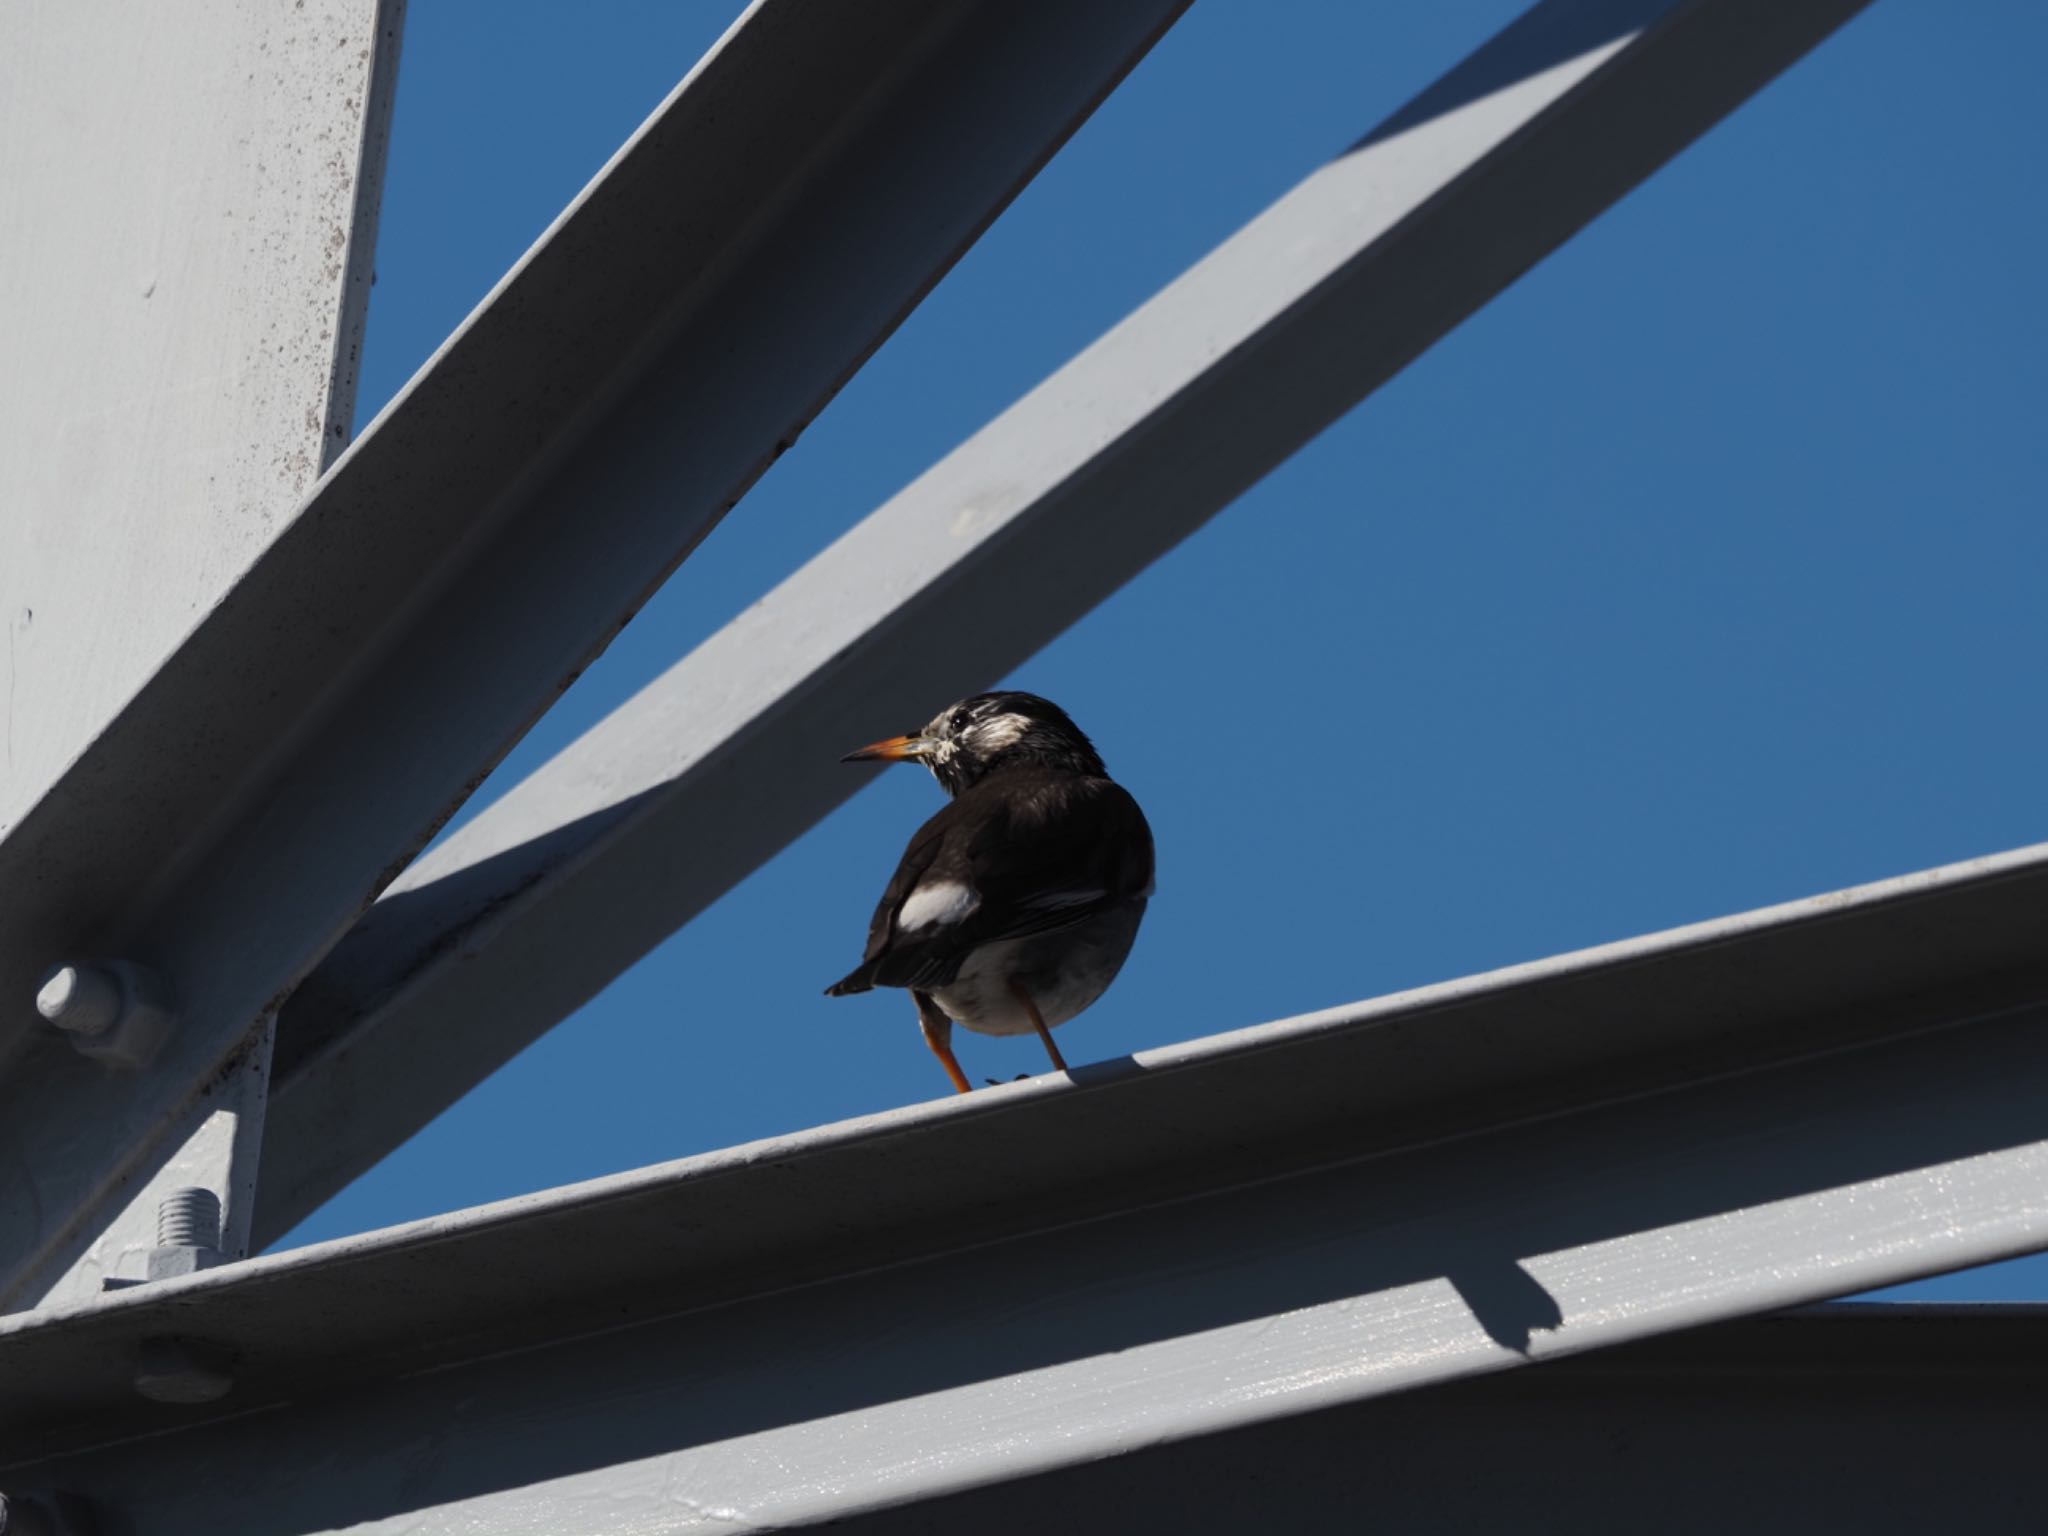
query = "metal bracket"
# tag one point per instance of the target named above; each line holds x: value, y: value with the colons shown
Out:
x: 193, y: 1211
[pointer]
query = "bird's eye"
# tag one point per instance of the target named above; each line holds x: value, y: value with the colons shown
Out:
x: 958, y: 723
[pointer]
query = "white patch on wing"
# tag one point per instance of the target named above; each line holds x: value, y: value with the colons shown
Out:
x: 937, y: 901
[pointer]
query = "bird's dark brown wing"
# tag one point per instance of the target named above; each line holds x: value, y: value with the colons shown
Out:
x: 1033, y: 850
x: 925, y: 846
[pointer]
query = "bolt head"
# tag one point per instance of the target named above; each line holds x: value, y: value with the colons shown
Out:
x: 178, y: 1371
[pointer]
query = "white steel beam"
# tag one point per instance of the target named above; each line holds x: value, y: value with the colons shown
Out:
x: 532, y: 908
x: 1724, y: 1120
x: 1904, y: 1419
x: 470, y: 553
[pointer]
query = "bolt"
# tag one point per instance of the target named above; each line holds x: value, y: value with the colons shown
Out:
x: 178, y: 1371
x: 188, y: 1218
x: 112, y: 1010
x: 187, y: 1234
x: 81, y: 999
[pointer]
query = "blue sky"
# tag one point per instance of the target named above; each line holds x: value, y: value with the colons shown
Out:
x: 1701, y: 570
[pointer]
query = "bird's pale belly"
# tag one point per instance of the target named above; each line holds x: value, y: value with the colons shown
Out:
x: 1064, y: 971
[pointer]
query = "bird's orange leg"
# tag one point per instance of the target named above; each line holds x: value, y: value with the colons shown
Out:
x: 938, y: 1034
x: 1038, y: 1023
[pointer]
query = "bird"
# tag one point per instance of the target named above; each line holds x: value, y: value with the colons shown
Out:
x: 1016, y: 905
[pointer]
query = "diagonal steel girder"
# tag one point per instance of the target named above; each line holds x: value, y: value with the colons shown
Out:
x: 1294, y: 1219
x: 589, y: 423
x: 532, y: 908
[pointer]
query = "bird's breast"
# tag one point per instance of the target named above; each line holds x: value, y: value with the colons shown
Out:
x: 1064, y: 971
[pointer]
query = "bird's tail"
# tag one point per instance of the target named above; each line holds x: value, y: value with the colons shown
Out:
x: 857, y: 980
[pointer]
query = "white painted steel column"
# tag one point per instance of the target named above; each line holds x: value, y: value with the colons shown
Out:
x: 188, y: 216
x: 188, y: 212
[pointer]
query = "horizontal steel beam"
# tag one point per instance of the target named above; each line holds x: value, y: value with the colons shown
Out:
x: 550, y: 893
x: 1728, y: 1119
x: 1867, y: 1418
x: 1882, y: 1419
x: 480, y: 543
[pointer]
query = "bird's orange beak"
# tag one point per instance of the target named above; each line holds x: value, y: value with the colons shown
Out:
x: 891, y: 749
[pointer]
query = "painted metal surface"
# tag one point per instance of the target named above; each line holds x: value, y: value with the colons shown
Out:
x: 1841, y: 1418
x: 1831, y: 1418
x: 470, y: 553
x: 190, y: 198
x: 214, y: 1146
x: 532, y: 908
x: 1746, y: 1115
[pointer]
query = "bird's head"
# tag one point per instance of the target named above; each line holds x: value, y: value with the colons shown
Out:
x: 965, y: 742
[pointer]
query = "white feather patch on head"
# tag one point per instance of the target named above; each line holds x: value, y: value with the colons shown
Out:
x: 992, y: 736
x: 943, y: 902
